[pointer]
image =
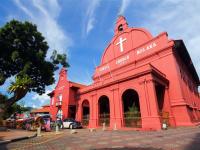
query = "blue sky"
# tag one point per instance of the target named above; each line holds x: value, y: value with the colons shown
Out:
x: 83, y: 28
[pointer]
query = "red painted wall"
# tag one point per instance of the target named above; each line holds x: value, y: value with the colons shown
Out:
x: 136, y: 60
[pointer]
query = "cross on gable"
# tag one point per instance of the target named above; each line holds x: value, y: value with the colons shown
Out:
x: 120, y: 43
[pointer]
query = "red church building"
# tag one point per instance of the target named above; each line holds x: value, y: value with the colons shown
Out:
x: 141, y: 82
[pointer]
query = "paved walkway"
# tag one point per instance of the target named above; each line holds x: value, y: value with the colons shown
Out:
x: 172, y: 139
x: 14, y: 134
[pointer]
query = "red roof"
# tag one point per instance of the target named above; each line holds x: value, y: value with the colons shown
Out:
x: 77, y: 85
x: 44, y: 109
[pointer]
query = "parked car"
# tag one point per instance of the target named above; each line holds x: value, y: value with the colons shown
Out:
x: 11, y: 122
x: 57, y: 122
x: 71, y: 123
x: 32, y: 123
x: 47, y: 122
x: 28, y: 124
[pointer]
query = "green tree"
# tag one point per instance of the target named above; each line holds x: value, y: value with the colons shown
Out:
x: 133, y: 109
x: 59, y: 59
x: 23, y: 56
x: 15, y: 108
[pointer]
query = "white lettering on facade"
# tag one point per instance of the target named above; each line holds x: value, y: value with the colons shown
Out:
x: 104, y: 68
x: 120, y: 43
x: 144, y: 49
x: 122, y: 60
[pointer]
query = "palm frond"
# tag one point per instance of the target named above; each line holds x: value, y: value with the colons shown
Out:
x: 21, y: 83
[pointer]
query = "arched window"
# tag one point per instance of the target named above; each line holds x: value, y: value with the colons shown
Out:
x: 60, y: 97
x: 52, y: 101
x: 120, y: 27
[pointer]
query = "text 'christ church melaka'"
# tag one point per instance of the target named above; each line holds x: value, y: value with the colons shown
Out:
x: 141, y: 82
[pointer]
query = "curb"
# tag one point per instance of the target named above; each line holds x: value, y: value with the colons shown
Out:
x: 17, y: 139
x: 51, y: 133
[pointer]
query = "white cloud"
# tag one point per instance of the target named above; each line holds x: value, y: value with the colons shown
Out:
x: 41, y: 99
x: 90, y: 25
x: 45, y: 14
x: 123, y: 7
x: 18, y: 3
x: 34, y: 106
x: 181, y: 20
x: 90, y: 20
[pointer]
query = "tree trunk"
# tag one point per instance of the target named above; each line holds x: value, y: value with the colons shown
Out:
x: 17, y: 96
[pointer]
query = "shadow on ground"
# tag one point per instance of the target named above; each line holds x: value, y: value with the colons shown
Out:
x: 195, y: 144
x: 129, y: 148
x: 3, y: 147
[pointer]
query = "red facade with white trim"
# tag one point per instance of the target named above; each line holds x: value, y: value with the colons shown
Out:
x: 138, y: 73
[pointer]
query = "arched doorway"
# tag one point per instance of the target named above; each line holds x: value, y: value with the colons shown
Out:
x: 131, y: 109
x: 85, y: 112
x: 160, y: 94
x: 104, y: 110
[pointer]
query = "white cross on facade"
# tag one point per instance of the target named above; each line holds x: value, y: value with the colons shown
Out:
x: 120, y: 43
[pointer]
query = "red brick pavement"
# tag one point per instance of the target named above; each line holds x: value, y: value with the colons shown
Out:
x: 172, y: 139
